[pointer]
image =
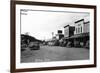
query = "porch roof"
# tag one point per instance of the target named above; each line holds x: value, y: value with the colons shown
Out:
x: 79, y: 35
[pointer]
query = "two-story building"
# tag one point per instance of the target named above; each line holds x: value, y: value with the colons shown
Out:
x: 68, y: 32
x: 59, y: 35
x: 81, y: 33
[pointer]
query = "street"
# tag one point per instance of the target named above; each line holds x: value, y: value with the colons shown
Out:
x: 54, y: 53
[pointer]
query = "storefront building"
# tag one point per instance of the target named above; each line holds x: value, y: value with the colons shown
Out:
x: 68, y: 32
x: 81, y: 33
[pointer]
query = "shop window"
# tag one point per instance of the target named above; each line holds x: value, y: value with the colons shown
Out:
x: 78, y: 30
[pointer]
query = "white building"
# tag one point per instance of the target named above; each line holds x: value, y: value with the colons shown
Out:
x: 82, y: 26
x: 81, y: 33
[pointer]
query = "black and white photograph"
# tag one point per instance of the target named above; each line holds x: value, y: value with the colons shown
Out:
x: 53, y: 36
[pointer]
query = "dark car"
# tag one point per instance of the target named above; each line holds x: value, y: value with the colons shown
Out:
x: 34, y: 45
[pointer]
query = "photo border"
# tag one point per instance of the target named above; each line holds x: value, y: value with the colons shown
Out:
x: 13, y: 35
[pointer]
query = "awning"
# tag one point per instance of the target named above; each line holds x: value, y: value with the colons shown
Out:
x: 66, y: 37
x: 79, y: 35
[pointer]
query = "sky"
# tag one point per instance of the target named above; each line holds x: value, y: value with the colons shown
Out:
x: 41, y: 24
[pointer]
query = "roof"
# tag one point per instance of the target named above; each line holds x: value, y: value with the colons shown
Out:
x: 79, y: 20
x: 86, y: 22
x: 66, y: 26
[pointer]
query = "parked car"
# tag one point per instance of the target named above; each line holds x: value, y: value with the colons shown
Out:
x: 34, y: 45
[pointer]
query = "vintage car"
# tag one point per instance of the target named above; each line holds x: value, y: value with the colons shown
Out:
x: 34, y: 45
